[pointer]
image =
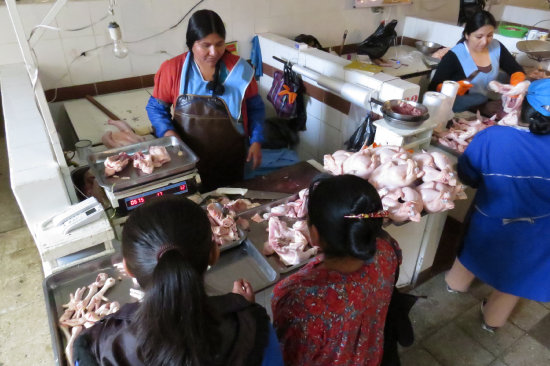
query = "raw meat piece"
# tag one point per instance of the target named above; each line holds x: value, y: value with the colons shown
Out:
x: 115, y: 163
x: 434, y: 199
x: 294, y: 209
x: 361, y: 164
x: 333, y: 163
x: 159, y: 155
x: 240, y: 205
x: 257, y: 218
x: 143, y: 162
x: 224, y: 227
x: 125, y: 136
x: 403, y: 204
x: 243, y: 223
x: 407, y: 109
x: 391, y: 175
x: 85, y: 312
x: 461, y: 132
x: 289, y: 243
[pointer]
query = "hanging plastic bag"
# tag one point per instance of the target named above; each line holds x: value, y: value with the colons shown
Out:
x: 286, y: 95
x: 377, y: 44
x: 363, y: 135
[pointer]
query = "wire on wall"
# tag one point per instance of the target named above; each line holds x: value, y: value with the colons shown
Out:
x: 110, y: 12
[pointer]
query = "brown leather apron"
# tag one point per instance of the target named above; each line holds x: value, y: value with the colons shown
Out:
x: 205, y: 125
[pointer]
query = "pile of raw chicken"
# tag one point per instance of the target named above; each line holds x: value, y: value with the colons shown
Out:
x: 224, y: 221
x: 408, y: 183
x: 462, y: 131
x: 155, y: 158
x: 288, y: 234
x: 83, y: 312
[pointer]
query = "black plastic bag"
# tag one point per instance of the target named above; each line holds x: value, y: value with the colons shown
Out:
x: 363, y: 135
x: 309, y: 40
x: 377, y: 44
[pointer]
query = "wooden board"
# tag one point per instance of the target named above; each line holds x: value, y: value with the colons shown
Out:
x: 90, y: 123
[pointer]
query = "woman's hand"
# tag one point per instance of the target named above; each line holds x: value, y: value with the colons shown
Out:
x: 170, y: 133
x: 255, y: 154
x: 244, y: 288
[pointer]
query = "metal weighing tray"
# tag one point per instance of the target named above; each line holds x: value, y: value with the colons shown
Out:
x: 180, y: 163
x: 258, y: 233
x: 58, y: 286
x: 244, y: 261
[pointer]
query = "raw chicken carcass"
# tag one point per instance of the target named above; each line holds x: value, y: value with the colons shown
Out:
x: 125, y: 136
x: 392, y: 175
x: 114, y: 164
x: 291, y: 244
x: 403, y: 204
x: 512, y: 95
x: 434, y: 199
x: 361, y: 164
x: 159, y: 155
x: 334, y: 163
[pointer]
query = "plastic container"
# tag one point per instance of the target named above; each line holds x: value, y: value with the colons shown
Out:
x: 513, y: 31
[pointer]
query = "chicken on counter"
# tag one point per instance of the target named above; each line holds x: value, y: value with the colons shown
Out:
x: 408, y: 183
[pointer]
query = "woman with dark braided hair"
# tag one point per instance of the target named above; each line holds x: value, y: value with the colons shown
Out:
x: 211, y: 90
x: 167, y: 246
x: 333, y: 310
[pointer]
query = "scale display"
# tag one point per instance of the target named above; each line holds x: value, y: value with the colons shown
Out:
x: 139, y: 199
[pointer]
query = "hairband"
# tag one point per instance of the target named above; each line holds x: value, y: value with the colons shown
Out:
x: 373, y: 215
x: 164, y: 249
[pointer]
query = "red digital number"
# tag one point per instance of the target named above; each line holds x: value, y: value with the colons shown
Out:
x: 133, y: 202
x: 160, y: 194
x: 141, y: 199
x: 183, y: 187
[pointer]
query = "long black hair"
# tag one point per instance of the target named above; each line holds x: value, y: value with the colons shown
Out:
x: 173, y: 324
x: 333, y: 197
x: 201, y: 24
x: 476, y: 21
x: 538, y: 123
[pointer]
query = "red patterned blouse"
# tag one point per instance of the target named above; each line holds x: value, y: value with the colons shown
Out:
x: 325, y: 317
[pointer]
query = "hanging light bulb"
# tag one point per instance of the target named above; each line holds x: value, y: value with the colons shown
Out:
x: 119, y: 48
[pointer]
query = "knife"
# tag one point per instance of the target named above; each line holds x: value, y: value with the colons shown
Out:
x: 249, y: 193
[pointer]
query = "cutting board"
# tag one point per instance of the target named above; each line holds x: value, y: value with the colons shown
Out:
x: 90, y: 123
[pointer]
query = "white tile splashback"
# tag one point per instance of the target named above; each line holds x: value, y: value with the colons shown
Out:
x: 326, y: 20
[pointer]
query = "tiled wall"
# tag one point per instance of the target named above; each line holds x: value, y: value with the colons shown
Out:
x: 57, y: 52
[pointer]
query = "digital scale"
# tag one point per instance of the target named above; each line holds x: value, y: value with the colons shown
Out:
x: 124, y: 201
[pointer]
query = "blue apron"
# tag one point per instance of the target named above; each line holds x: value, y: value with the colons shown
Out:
x: 481, y: 80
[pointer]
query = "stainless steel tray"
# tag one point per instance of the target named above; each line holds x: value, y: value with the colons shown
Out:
x: 242, y: 238
x: 244, y: 261
x: 180, y: 163
x: 258, y: 233
x: 58, y: 286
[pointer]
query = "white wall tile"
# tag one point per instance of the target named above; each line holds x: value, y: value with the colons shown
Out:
x: 330, y: 140
x: 32, y: 14
x: 74, y: 15
x: 244, y: 31
x: 11, y: 53
x: 112, y: 67
x: 86, y: 69
x: 52, y: 63
x: 7, y: 35
x: 309, y: 139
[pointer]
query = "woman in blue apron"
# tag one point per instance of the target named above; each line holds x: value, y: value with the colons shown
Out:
x: 211, y: 90
x: 507, y: 244
x: 474, y: 62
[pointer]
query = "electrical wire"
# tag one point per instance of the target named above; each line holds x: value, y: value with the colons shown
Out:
x: 169, y: 29
x: 49, y: 27
x: 544, y: 20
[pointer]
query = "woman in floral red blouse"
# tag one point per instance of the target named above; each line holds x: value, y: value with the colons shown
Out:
x: 332, y: 311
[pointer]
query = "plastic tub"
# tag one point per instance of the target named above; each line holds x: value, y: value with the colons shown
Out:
x: 514, y: 31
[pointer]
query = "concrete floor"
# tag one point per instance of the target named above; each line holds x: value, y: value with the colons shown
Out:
x: 447, y: 326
